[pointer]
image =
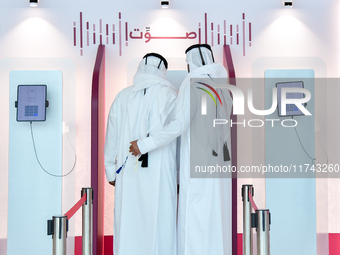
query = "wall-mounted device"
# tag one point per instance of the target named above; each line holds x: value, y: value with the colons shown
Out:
x: 291, y: 109
x: 31, y: 102
x: 31, y: 106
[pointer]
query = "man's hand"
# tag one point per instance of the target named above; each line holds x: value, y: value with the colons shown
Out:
x: 134, y: 148
x: 113, y: 183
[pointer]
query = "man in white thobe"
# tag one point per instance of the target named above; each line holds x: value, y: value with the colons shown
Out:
x: 145, y: 188
x: 204, y: 212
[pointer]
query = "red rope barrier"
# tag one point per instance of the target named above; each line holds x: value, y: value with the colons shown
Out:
x: 252, y: 201
x: 76, y: 207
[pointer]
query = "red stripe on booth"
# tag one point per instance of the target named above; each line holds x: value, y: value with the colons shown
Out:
x: 239, y: 243
x: 334, y: 244
x: 229, y: 65
x: 78, y: 245
x: 97, y: 149
x: 108, y: 245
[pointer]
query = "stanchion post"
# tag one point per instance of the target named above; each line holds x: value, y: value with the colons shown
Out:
x: 87, y: 221
x: 247, y: 230
x: 59, y: 235
x: 263, y: 228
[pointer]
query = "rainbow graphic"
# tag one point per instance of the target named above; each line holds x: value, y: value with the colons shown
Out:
x: 212, y: 89
x: 204, y: 97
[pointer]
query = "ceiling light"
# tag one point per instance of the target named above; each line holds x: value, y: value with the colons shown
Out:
x: 165, y: 4
x: 287, y: 3
x: 34, y: 3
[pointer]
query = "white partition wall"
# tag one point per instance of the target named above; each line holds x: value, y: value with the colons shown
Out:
x: 34, y: 195
x: 54, y: 136
x: 292, y: 201
x: 176, y: 77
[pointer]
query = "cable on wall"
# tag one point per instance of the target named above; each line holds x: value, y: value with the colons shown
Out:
x: 47, y: 172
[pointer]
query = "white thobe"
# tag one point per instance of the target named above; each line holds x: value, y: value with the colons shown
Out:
x: 204, y: 212
x: 145, y: 198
